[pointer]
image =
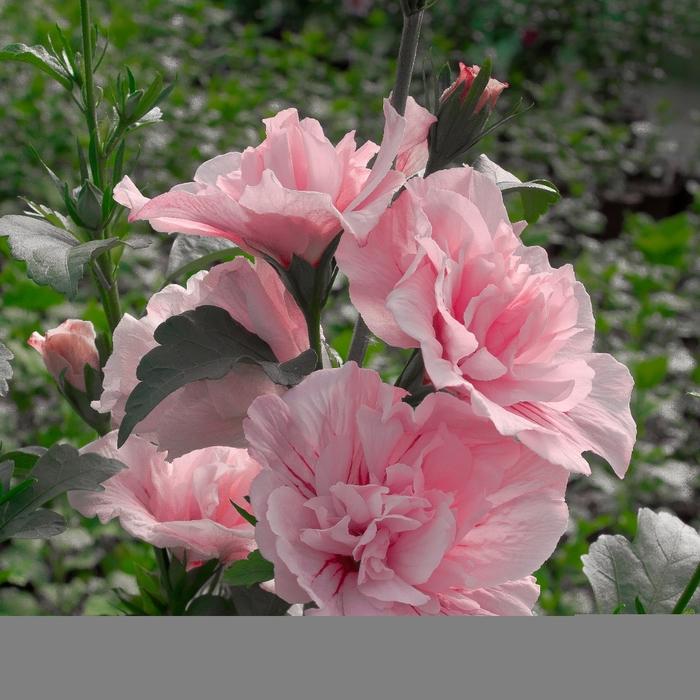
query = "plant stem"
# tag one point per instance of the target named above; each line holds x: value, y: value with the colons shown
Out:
x: 399, y: 96
x: 90, y: 104
x: 687, y: 594
x: 105, y: 281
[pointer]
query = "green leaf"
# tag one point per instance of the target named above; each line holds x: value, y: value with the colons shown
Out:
x: 54, y: 256
x: 59, y: 470
x: 246, y: 572
x: 537, y: 196
x: 664, y: 242
x: 190, y: 254
x: 245, y: 514
x: 257, y: 601
x: 655, y: 567
x: 650, y: 372
x: 40, y: 524
x: 639, y: 606
x: 24, y: 458
x: 204, y: 343
x: 5, y: 369
x: 39, y: 57
x: 209, y: 605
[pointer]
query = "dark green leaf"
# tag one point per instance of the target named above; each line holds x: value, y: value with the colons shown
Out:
x: 39, y: 524
x: 257, y: 601
x: 5, y: 369
x: 639, y: 606
x: 655, y: 567
x: 54, y: 256
x: 245, y: 514
x: 24, y: 458
x: 209, y: 605
x: 246, y: 572
x: 59, y: 470
x: 89, y: 205
x: 39, y: 57
x: 204, y: 343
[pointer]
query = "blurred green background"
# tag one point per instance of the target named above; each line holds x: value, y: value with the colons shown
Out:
x: 616, y: 126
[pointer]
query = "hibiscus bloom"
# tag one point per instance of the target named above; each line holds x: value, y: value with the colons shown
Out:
x: 183, y: 505
x: 291, y: 195
x: 367, y: 507
x: 444, y: 271
x: 206, y: 412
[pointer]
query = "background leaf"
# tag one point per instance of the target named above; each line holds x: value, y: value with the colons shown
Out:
x: 5, y: 369
x: 655, y: 567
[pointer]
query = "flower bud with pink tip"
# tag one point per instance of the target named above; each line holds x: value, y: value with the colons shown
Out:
x: 68, y: 348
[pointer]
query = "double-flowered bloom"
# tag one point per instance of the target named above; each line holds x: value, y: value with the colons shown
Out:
x: 366, y: 505
x: 369, y: 507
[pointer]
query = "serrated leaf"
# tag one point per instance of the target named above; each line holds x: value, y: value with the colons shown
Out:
x: 54, y: 256
x: 5, y: 369
x: 655, y: 567
x: 536, y: 195
x: 203, y: 343
x: 247, y: 572
x: 39, y: 57
x: 59, y: 470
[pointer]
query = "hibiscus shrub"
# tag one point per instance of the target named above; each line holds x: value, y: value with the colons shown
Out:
x: 270, y: 474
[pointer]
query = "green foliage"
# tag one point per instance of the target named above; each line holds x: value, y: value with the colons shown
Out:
x: 5, y: 369
x: 57, y: 471
x: 536, y: 196
x: 246, y: 572
x: 650, y: 573
x: 54, y: 256
x: 190, y: 254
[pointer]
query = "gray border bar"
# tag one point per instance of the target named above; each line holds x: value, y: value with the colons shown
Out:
x: 596, y: 658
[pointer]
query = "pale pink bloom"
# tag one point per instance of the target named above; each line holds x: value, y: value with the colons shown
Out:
x: 68, y: 347
x: 413, y: 152
x: 495, y: 322
x: 367, y: 507
x: 291, y: 195
x: 464, y: 81
x: 183, y: 505
x: 206, y: 412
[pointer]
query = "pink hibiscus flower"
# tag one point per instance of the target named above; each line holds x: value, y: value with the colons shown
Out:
x: 445, y: 271
x: 367, y: 507
x: 291, y: 195
x: 183, y: 505
x: 207, y: 412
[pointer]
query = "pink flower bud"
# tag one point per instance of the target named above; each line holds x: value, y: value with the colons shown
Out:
x: 466, y: 78
x: 69, y: 347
